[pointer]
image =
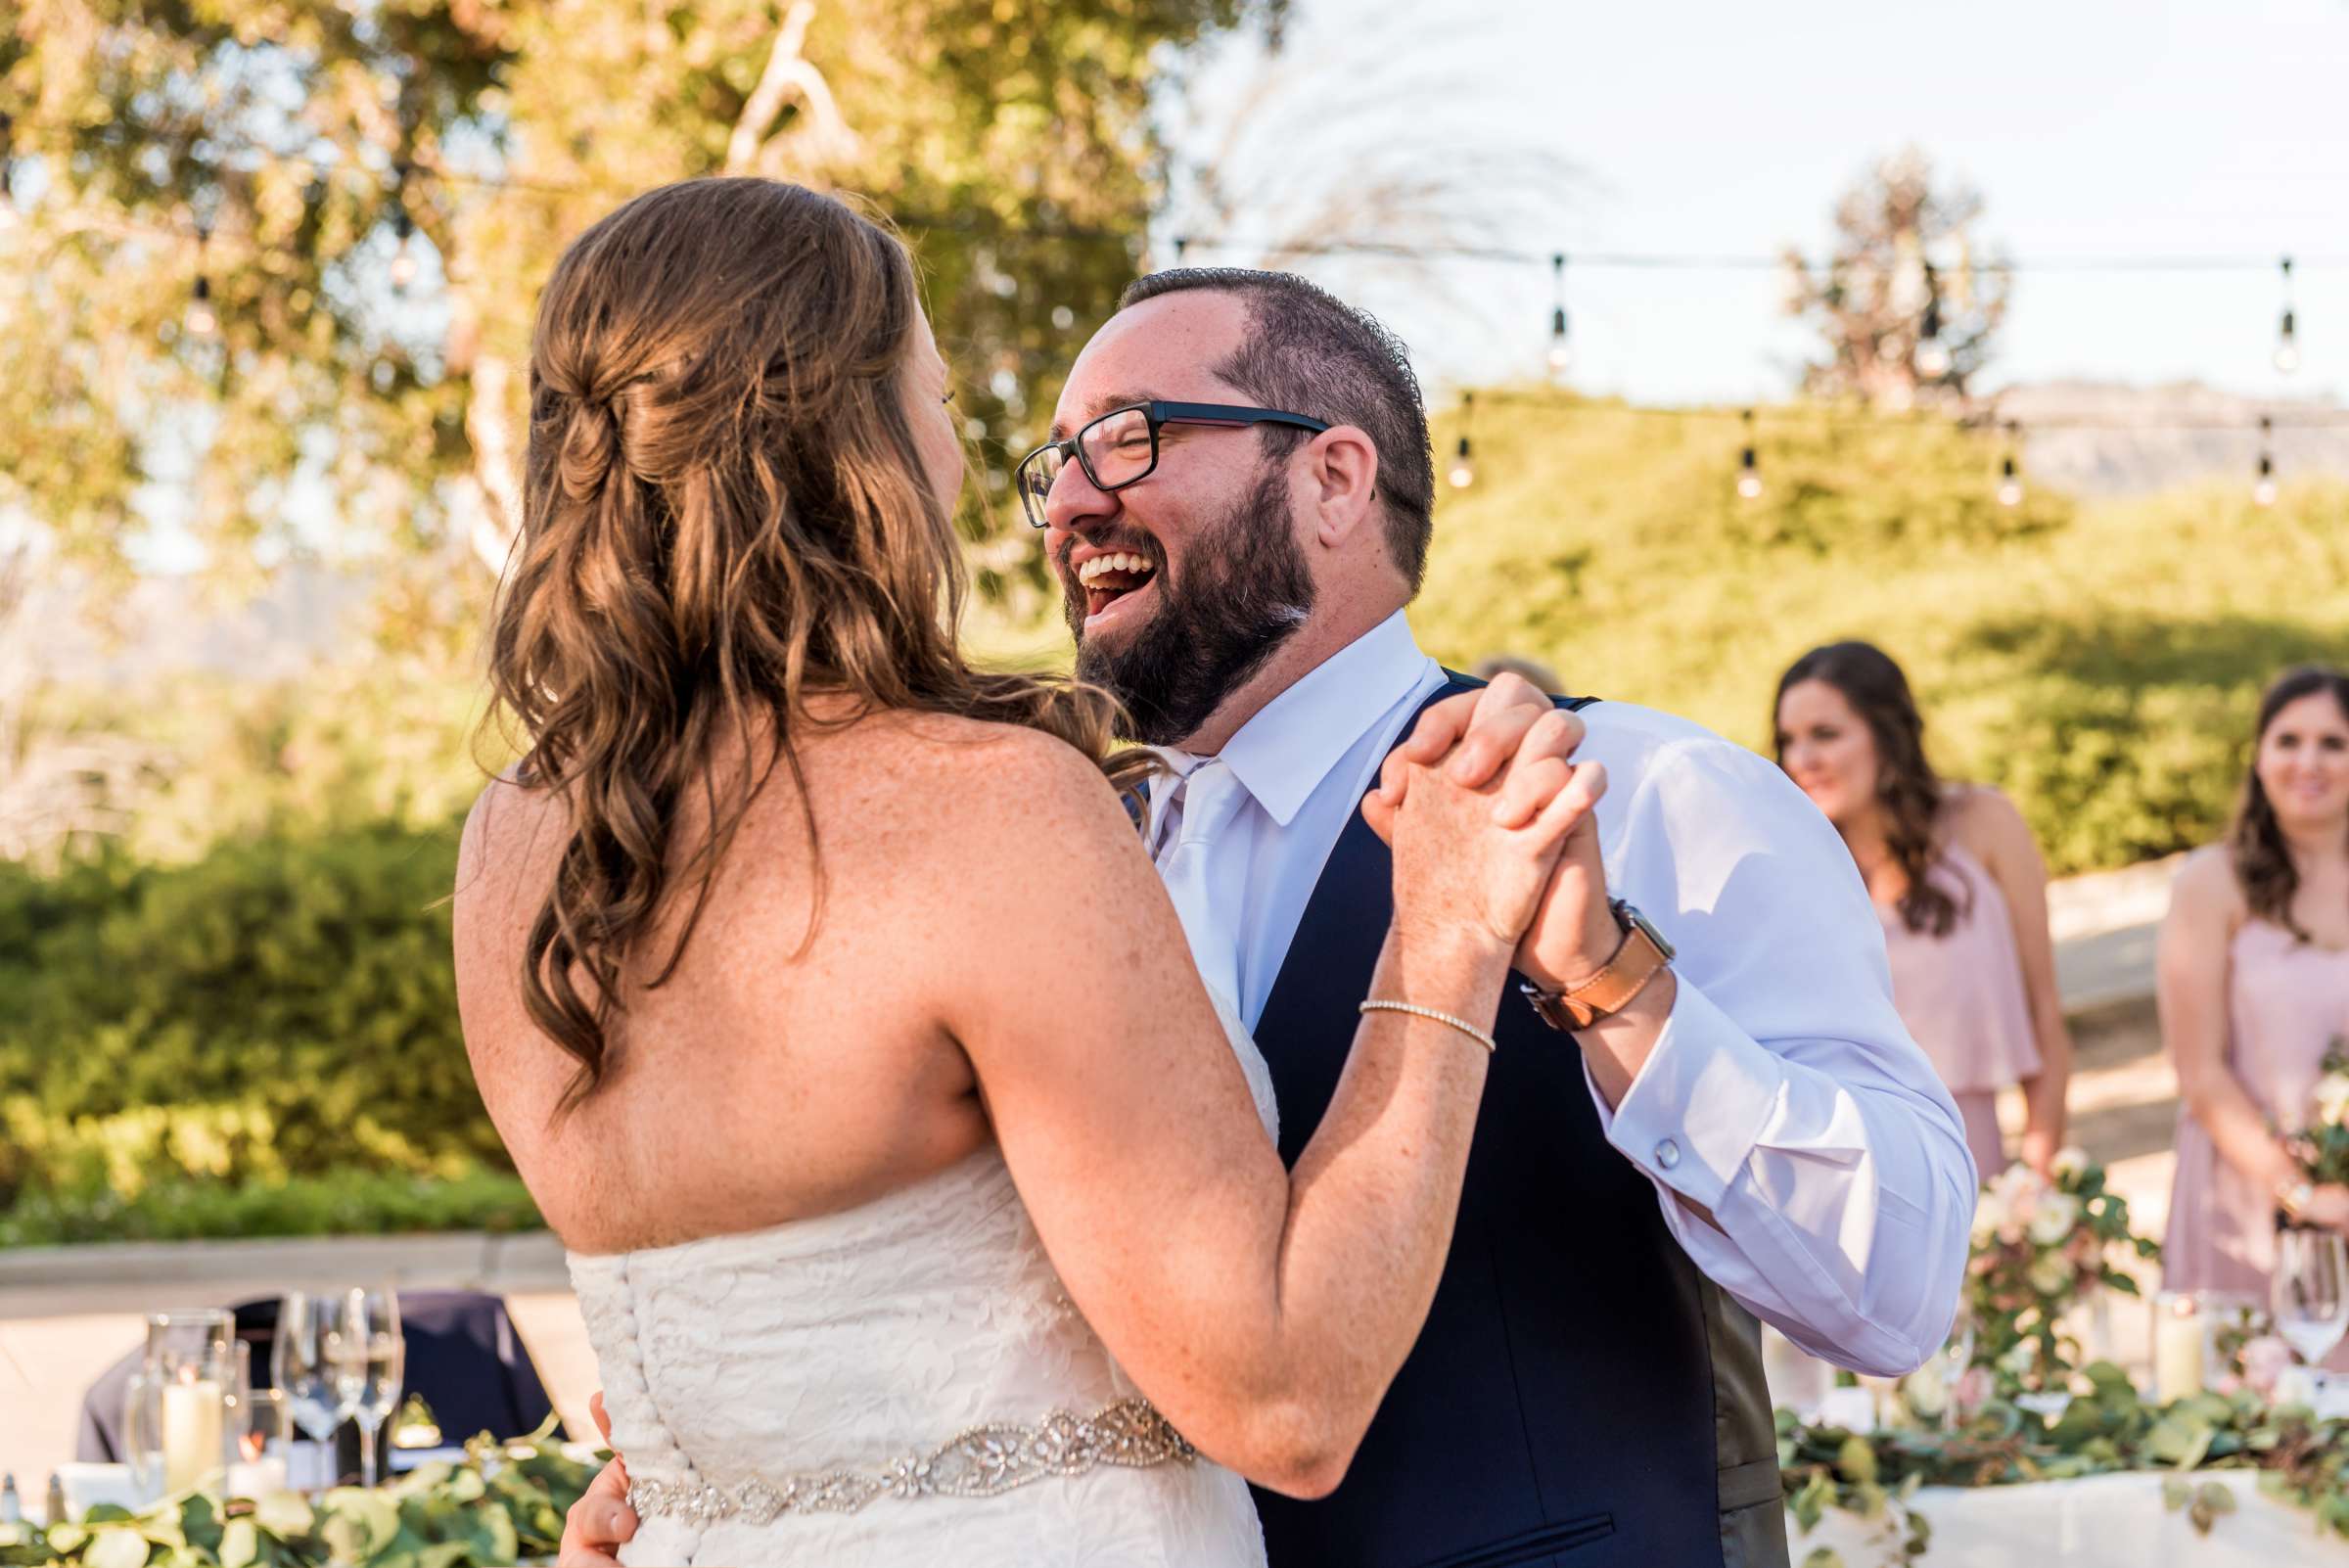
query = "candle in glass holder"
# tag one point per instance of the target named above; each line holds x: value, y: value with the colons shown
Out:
x: 255, y: 1478
x: 195, y: 1427
x: 2178, y: 1332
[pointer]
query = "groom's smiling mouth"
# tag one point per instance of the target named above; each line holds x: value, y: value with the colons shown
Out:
x: 1111, y: 582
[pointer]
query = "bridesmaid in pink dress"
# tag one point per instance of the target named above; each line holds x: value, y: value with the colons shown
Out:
x: 1958, y: 883
x: 2253, y: 985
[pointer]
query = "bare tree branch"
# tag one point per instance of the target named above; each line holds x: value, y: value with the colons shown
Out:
x: 494, y: 466
x: 788, y: 71
x: 1303, y: 159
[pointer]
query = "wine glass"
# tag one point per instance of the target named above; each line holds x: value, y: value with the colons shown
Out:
x: 1956, y: 1356
x: 2310, y: 1291
x: 371, y: 1369
x: 307, y: 1360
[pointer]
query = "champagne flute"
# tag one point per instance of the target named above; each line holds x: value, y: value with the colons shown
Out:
x: 307, y: 1360
x: 2310, y: 1291
x: 371, y: 1369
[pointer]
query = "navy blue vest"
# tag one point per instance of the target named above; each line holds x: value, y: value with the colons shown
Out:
x: 1581, y: 1396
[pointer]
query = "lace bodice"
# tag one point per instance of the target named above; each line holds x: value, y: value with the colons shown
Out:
x: 846, y: 1343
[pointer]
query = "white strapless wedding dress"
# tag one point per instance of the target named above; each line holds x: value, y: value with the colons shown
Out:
x: 903, y: 1383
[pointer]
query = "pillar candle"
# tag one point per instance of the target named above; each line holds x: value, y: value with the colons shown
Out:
x: 193, y: 1421
x: 2176, y: 1351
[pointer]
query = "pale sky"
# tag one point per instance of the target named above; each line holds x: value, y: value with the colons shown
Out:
x: 2093, y: 129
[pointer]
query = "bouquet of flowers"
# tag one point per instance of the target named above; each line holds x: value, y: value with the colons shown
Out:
x: 2040, y: 1245
x: 2322, y: 1146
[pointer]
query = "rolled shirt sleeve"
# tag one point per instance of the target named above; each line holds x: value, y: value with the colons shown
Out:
x: 1785, y: 1095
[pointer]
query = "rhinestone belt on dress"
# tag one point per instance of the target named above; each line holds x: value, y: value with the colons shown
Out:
x: 980, y: 1461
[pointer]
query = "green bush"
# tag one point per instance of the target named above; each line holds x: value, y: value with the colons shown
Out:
x: 345, y: 1202
x: 281, y: 1007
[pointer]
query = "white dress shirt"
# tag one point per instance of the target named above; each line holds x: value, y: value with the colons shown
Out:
x: 1785, y: 1095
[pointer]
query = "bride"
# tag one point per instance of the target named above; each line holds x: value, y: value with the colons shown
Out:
x: 918, y: 1197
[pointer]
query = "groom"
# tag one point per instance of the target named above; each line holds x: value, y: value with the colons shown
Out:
x: 1703, y: 1109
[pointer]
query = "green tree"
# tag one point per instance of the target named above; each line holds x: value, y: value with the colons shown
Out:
x: 367, y: 193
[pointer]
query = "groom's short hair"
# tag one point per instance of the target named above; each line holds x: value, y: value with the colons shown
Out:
x: 1310, y: 352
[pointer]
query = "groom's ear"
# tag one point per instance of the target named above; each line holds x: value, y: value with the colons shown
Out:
x: 1342, y: 475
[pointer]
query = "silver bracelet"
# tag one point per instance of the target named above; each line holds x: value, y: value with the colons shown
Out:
x: 1374, y: 1005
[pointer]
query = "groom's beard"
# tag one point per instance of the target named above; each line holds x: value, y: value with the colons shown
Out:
x: 1244, y: 591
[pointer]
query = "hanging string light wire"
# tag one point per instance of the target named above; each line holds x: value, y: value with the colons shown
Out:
x: 2010, y: 481
x: 2263, y: 485
x: 203, y: 319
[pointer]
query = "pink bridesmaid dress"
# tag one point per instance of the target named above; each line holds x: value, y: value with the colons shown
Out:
x: 1962, y: 997
x: 2286, y: 1001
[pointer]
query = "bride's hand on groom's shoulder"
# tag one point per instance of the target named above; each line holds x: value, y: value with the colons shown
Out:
x: 600, y: 1522
x: 1481, y: 804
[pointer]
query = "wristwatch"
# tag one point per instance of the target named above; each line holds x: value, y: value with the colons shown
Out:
x: 1639, y: 958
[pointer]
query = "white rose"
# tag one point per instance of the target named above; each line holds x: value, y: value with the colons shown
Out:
x: 2058, y: 1213
x: 1925, y: 1391
x: 2333, y: 1097
x: 2070, y: 1161
x: 2050, y: 1275
x: 2017, y: 1184
x: 1988, y: 1213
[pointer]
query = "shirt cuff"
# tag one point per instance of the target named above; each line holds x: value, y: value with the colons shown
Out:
x: 1699, y: 1104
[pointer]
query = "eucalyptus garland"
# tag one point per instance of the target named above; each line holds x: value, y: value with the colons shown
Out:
x: 1873, y: 1475
x: 505, y: 1504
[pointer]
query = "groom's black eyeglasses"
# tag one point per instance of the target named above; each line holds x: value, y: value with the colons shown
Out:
x: 1121, y: 447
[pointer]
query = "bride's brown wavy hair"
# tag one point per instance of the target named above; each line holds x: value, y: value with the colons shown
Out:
x: 726, y: 513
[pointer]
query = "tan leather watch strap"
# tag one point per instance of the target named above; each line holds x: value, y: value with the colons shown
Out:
x: 1639, y: 958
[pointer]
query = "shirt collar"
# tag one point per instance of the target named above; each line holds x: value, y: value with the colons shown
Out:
x: 1282, y: 755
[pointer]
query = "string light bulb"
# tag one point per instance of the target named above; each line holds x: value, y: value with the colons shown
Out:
x: 1932, y: 354
x: 2287, y: 336
x: 2263, y: 488
x: 203, y: 320
x: 1463, y: 472
x: 403, y: 259
x: 1561, y: 351
x: 2010, y: 476
x: 1749, y: 468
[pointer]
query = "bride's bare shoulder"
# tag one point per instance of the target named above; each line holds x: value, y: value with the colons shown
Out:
x: 509, y: 825
x: 961, y: 771
x: 957, y: 794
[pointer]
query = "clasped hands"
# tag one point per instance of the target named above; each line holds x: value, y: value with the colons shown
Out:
x: 1472, y: 738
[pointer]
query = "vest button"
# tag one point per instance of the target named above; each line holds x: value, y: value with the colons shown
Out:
x: 1668, y: 1154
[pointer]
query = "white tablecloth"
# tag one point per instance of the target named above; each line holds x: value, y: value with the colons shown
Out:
x: 2107, y: 1521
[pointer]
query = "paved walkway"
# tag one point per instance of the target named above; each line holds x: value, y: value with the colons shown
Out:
x: 67, y: 1313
